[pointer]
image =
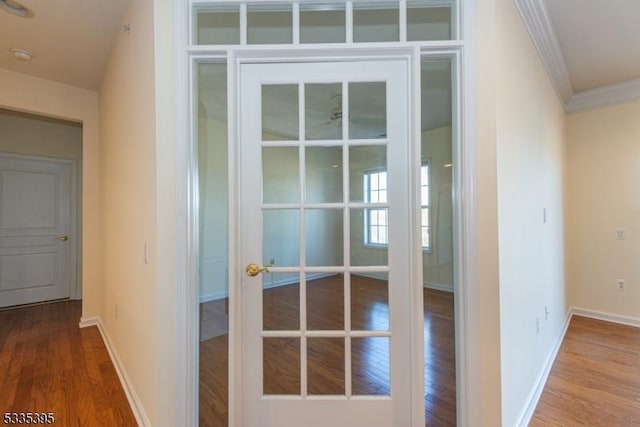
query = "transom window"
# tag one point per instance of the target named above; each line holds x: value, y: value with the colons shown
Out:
x: 309, y: 22
x: 376, y: 220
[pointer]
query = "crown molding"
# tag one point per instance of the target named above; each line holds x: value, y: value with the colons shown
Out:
x: 537, y: 21
x: 604, y: 96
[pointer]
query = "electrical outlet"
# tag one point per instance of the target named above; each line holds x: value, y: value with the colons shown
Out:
x: 272, y: 261
x: 621, y: 285
x: 546, y: 313
x: 620, y: 233
x: 537, y: 325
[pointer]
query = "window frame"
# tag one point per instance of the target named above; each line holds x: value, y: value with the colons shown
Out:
x: 367, y: 174
x: 367, y: 211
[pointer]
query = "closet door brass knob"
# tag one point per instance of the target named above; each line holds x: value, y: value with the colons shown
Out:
x: 254, y: 269
x: 63, y: 238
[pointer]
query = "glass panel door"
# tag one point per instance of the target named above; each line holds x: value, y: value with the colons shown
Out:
x: 325, y: 244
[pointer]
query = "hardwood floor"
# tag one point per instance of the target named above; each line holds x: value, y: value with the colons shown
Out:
x: 326, y: 355
x: 595, y: 380
x: 49, y: 364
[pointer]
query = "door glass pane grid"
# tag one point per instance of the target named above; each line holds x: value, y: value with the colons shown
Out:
x: 341, y: 339
x: 326, y: 22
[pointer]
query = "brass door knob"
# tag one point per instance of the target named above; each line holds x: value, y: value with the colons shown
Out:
x: 63, y: 238
x: 254, y: 269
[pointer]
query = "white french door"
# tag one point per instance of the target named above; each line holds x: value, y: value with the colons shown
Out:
x: 325, y: 220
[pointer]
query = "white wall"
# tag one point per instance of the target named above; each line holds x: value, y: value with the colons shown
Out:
x: 213, y: 187
x: 482, y: 384
x: 530, y: 164
x: 128, y: 165
x: 603, y: 195
x: 437, y: 265
x: 43, y: 97
x: 173, y: 396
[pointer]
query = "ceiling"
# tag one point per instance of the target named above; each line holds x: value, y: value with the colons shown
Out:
x: 585, y: 44
x: 70, y: 39
x: 599, y: 40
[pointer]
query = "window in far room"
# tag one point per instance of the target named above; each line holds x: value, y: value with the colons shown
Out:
x: 376, y: 220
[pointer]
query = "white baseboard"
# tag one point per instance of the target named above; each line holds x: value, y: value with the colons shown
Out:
x: 438, y: 287
x: 284, y: 282
x: 378, y: 276
x: 538, y: 387
x: 292, y: 280
x: 213, y: 296
x: 607, y: 317
x: 129, y: 391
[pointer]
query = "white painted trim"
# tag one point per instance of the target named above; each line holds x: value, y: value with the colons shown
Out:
x: 186, y: 332
x: 134, y: 401
x: 604, y: 96
x: 236, y: 417
x: 89, y: 321
x: 439, y: 287
x: 465, y: 239
x: 537, y: 21
x: 465, y: 228
x: 416, y: 337
x: 75, y: 234
x: 538, y: 386
x: 607, y: 317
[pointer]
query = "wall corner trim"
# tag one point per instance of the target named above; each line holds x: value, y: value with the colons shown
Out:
x: 604, y: 96
x: 132, y: 396
x: 537, y: 21
x: 607, y: 317
x: 536, y: 391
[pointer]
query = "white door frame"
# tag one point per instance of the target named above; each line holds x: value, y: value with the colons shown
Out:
x: 75, y: 271
x: 235, y: 269
x: 413, y: 330
x: 467, y: 306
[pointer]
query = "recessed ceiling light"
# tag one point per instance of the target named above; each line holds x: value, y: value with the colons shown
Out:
x: 15, y: 8
x: 22, y: 54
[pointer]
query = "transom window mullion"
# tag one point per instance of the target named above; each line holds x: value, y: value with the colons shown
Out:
x: 243, y: 24
x: 348, y: 13
x: 296, y: 23
x: 403, y: 20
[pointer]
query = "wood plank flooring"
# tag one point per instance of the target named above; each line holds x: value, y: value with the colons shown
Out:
x: 595, y: 380
x: 326, y: 355
x: 49, y: 364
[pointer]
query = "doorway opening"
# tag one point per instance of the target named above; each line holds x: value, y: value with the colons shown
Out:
x: 282, y: 290
x: 314, y: 341
x: 40, y: 163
